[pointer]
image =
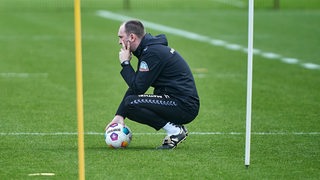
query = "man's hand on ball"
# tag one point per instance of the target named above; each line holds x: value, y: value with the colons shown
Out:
x: 116, y: 119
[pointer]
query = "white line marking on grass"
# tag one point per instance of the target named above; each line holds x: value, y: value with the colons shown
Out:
x: 206, y: 39
x: 23, y: 75
x: 311, y: 66
x: 150, y: 133
x: 200, y: 72
x: 290, y: 60
x: 41, y: 174
x: 270, y: 55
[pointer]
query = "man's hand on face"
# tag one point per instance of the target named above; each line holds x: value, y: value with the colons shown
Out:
x: 125, y: 53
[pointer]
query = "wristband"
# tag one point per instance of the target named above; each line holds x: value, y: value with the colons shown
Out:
x: 125, y: 63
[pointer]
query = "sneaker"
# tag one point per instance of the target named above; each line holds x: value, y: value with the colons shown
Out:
x: 185, y: 130
x: 171, y: 142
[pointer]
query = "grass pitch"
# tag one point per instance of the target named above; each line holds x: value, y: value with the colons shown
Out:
x: 38, y: 102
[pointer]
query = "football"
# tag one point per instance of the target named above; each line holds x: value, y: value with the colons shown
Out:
x: 118, y: 136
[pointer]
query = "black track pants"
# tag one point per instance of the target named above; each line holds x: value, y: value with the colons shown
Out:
x: 156, y: 110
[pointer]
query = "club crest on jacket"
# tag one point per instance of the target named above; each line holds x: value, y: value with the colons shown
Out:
x: 143, y: 66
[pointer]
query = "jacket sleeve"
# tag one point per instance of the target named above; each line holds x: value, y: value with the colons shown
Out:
x: 149, y: 68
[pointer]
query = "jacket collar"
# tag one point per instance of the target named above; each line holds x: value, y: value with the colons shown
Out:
x: 141, y: 46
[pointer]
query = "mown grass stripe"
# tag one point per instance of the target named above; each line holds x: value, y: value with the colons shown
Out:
x: 155, y: 133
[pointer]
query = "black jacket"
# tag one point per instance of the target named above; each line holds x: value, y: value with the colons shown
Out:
x: 163, y: 68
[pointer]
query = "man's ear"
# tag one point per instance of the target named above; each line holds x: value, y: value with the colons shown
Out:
x: 132, y: 37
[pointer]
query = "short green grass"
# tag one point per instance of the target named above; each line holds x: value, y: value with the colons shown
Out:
x: 37, y: 85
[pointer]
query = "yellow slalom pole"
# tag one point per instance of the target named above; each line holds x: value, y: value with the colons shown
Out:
x: 77, y: 20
